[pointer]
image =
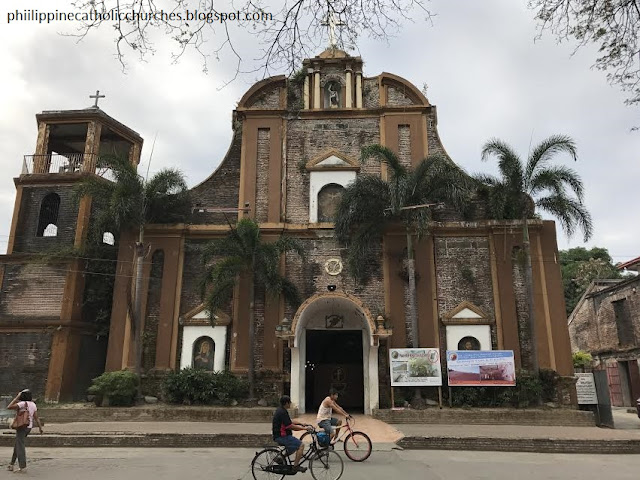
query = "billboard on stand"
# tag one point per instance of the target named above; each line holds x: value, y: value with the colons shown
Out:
x: 415, y: 367
x: 470, y: 368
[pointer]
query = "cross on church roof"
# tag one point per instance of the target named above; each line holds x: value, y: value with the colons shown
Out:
x: 332, y: 23
x: 97, y: 96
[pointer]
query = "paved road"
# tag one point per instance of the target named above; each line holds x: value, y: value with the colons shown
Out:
x: 228, y: 464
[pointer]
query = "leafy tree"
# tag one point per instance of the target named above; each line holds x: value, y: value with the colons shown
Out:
x: 524, y: 186
x: 127, y: 204
x: 286, y: 31
x: 244, y: 254
x: 580, y: 267
x: 371, y: 204
x: 611, y: 25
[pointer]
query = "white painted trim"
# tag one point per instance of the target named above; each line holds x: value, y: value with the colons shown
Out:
x: 482, y: 333
x: 318, y: 179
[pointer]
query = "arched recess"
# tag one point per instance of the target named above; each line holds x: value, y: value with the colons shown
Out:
x: 328, y: 199
x: 49, y: 209
x: 312, y: 315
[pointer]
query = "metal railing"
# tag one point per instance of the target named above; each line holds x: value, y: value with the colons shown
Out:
x: 64, y: 163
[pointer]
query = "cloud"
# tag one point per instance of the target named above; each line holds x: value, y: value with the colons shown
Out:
x: 484, y: 70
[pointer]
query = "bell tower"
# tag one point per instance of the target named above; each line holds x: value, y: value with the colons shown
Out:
x: 48, y: 341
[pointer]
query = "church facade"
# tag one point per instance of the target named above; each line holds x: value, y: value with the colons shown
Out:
x: 296, y: 145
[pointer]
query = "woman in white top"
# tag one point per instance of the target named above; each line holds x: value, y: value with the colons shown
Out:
x: 23, y: 401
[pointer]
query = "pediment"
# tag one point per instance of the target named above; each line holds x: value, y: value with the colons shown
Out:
x: 199, y: 316
x: 333, y: 160
x: 466, y: 313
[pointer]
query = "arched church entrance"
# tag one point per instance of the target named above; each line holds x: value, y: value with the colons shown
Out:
x: 334, y: 346
x: 335, y: 360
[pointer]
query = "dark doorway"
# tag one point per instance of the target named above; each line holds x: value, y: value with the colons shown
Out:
x: 334, y: 359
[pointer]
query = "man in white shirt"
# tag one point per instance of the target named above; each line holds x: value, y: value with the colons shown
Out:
x: 324, y: 418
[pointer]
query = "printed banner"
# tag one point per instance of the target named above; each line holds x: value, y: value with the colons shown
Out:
x: 415, y: 367
x: 485, y: 368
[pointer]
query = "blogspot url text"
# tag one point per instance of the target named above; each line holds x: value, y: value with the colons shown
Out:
x: 38, y: 16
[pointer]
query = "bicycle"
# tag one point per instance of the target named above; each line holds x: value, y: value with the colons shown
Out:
x: 273, y: 463
x: 357, y: 445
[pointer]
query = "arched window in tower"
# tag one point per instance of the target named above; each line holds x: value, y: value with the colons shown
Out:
x: 469, y: 343
x: 332, y: 94
x: 108, y: 238
x: 48, y: 218
x: 328, y: 199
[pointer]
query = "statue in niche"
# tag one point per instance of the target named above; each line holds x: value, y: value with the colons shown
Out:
x: 333, y: 95
x: 203, y: 350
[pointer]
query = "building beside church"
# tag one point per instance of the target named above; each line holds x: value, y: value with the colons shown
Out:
x: 606, y: 324
x: 295, y: 146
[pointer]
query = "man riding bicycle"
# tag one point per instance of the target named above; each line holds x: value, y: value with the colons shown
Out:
x: 324, y: 418
x: 282, y: 427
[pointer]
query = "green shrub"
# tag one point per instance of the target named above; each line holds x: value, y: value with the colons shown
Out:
x: 526, y: 393
x: 119, y: 387
x: 195, y: 386
x: 582, y: 359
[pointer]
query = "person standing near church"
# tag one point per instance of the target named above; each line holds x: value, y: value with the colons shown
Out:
x: 23, y: 401
x: 324, y: 418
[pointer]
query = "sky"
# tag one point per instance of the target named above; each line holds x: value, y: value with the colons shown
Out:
x: 484, y: 68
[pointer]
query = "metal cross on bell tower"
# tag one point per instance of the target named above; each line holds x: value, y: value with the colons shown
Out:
x: 97, y: 96
x: 332, y: 23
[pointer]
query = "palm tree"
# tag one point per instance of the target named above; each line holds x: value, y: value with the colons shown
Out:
x: 129, y: 203
x: 371, y: 204
x: 521, y: 187
x: 242, y: 253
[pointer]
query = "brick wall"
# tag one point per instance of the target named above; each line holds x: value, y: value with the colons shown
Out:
x: 397, y: 97
x: 268, y: 99
x: 32, y: 291
x: 262, y: 172
x: 522, y: 308
x: 463, y: 272
x: 222, y: 188
x: 24, y: 362
x: 370, y: 93
x: 93, y: 353
x: 153, y: 311
x: 308, y: 139
x: 26, y: 239
x: 593, y: 325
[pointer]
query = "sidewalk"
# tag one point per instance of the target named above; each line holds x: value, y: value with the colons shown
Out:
x: 384, y: 436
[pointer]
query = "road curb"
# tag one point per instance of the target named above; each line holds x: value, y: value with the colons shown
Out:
x: 231, y: 440
x: 534, y: 445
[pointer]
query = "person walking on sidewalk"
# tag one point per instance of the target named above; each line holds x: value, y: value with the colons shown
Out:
x: 23, y: 401
x: 324, y: 418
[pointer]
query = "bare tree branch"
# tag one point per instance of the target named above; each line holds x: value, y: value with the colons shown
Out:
x: 611, y: 25
x: 287, y: 31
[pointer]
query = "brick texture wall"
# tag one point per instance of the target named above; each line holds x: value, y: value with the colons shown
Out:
x: 308, y: 139
x: 593, y: 326
x: 370, y: 93
x: 32, y: 291
x: 522, y: 309
x: 397, y: 97
x: 26, y: 239
x: 24, y: 362
x: 268, y: 100
x: 262, y: 172
x: 463, y: 272
x: 153, y: 311
x: 222, y: 188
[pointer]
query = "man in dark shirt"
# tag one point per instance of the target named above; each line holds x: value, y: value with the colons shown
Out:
x: 282, y: 427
